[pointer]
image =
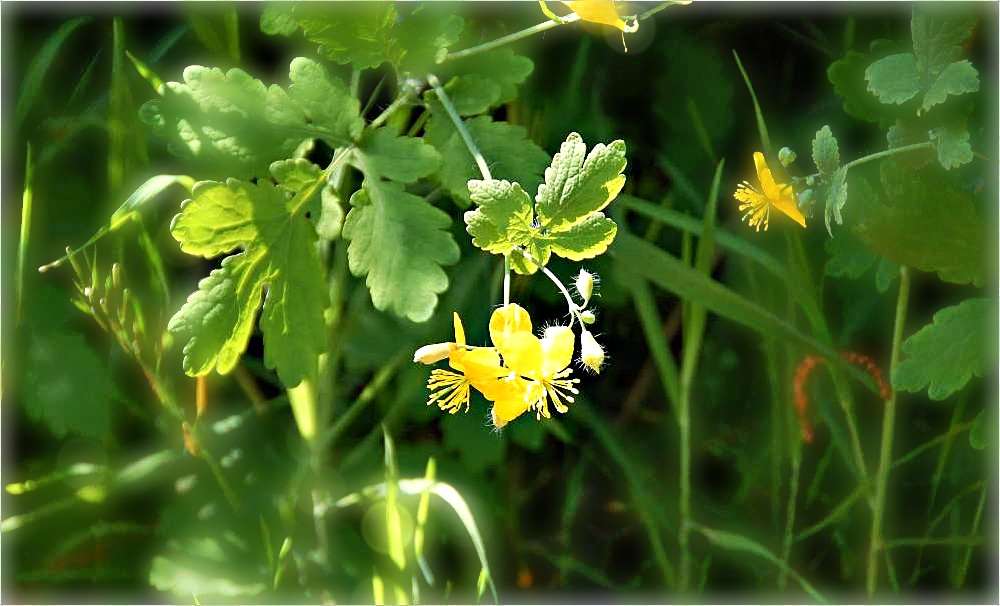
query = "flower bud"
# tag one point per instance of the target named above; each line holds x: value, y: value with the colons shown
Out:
x: 435, y: 352
x: 786, y: 156
x: 585, y: 285
x: 591, y: 352
x: 587, y: 316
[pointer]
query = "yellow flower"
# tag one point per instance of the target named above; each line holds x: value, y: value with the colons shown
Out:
x: 756, y: 205
x: 477, y: 367
x: 545, y: 361
x: 600, y: 11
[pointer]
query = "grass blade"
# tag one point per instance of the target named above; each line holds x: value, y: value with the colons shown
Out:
x: 736, y: 542
x: 27, y: 201
x: 723, y: 238
x: 765, y: 139
x: 31, y: 86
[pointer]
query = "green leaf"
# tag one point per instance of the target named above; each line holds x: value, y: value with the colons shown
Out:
x: 278, y: 19
x: 231, y: 124
x: 584, y: 240
x: 894, y: 79
x: 399, y: 242
x: 938, y: 35
x: 472, y: 94
x: 847, y: 75
x: 578, y: 184
x: 922, y: 222
x: 503, y: 219
x: 736, y: 542
x: 885, y: 274
x: 67, y: 386
x: 944, y: 355
x: 956, y: 79
x: 825, y: 151
x: 952, y: 144
x: 278, y: 255
x: 511, y: 154
x: 195, y: 568
x: 383, y: 153
x: 504, y: 68
x: 31, y: 86
x: 848, y: 257
x: 359, y: 34
x: 977, y: 433
x: 368, y: 34
x: 295, y: 174
x: 331, y: 215
x: 836, y: 198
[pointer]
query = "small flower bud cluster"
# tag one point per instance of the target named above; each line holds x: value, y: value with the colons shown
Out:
x: 591, y: 352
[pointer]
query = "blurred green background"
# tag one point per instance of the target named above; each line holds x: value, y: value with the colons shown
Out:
x: 581, y: 508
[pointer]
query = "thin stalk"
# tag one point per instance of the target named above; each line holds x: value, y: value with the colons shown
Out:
x: 389, y: 111
x: 793, y: 493
x: 506, y: 280
x: 888, y: 422
x: 973, y: 540
x: 538, y: 29
x: 460, y: 126
x: 514, y: 37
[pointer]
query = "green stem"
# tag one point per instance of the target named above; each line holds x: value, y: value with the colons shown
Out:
x: 888, y: 421
x: 539, y: 28
x: 389, y: 111
x: 793, y: 493
x: 460, y: 126
x: 887, y: 153
x: 514, y: 37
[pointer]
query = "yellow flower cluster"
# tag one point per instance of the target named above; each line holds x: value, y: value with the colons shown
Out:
x: 520, y: 372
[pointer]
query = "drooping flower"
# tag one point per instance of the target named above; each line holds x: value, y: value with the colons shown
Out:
x: 756, y: 205
x: 544, y: 361
x: 602, y: 12
x: 477, y: 367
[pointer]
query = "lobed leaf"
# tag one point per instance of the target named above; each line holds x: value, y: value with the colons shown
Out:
x: 279, y: 257
x: 957, y: 78
x: 576, y: 186
x: 894, y: 79
x: 231, y: 124
x: 825, y: 151
x: 383, y: 153
x: 399, y: 242
x: 944, y: 355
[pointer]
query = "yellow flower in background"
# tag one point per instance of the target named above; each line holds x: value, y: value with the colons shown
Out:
x: 600, y: 11
x: 477, y: 367
x: 756, y: 205
x: 544, y: 361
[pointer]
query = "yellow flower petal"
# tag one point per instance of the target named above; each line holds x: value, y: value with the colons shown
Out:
x: 768, y: 186
x: 479, y: 363
x: 557, y: 349
x: 508, y: 320
x: 459, y: 330
x: 512, y: 398
x: 597, y: 11
x: 786, y: 203
x: 522, y: 353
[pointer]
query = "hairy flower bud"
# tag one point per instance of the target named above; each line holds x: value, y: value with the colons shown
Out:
x: 591, y: 352
x: 585, y: 285
x: 435, y: 352
x: 786, y: 156
x: 587, y: 317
